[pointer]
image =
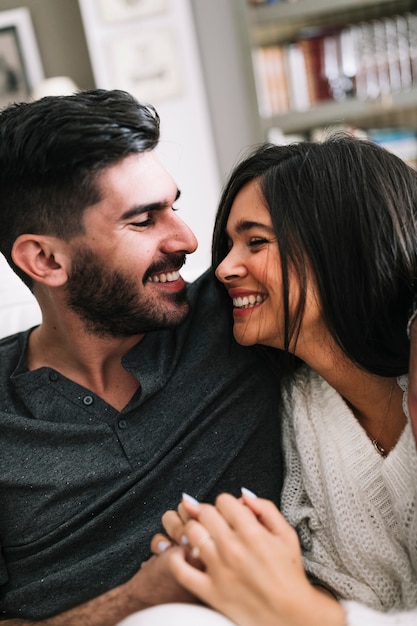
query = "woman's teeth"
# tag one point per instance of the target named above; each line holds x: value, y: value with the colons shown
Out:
x: 248, y: 301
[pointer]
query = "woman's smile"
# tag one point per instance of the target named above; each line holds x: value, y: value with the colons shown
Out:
x: 244, y: 301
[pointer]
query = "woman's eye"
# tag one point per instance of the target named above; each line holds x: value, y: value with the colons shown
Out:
x: 256, y: 242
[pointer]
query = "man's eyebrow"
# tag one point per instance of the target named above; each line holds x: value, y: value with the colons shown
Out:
x: 139, y: 209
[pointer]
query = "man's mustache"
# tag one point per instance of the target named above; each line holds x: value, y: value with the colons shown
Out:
x: 169, y: 263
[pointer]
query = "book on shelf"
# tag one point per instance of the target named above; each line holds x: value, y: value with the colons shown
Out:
x: 412, y: 44
x: 312, y: 43
x: 366, y: 60
x: 399, y: 52
x: 298, y: 89
x: 271, y: 72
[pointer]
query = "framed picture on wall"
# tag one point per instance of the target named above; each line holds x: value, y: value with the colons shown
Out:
x: 20, y: 64
x: 146, y: 64
x: 123, y: 10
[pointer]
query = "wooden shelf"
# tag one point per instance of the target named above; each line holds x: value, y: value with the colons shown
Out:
x: 274, y: 24
x: 265, y: 14
x: 336, y: 112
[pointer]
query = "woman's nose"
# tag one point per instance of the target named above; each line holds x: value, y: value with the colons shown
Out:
x: 229, y: 269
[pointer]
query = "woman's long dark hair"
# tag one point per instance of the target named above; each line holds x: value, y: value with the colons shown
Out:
x: 347, y: 208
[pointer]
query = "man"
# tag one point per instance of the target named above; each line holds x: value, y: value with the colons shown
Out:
x: 131, y: 390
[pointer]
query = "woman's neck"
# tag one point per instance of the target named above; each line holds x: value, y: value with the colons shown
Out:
x: 375, y: 401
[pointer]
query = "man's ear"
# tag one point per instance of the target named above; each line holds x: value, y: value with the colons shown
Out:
x: 45, y: 259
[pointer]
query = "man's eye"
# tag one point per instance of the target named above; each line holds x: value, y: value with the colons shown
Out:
x: 143, y: 223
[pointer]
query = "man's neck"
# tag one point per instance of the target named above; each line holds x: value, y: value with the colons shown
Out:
x: 89, y: 360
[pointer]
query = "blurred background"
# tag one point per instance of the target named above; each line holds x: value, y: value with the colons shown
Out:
x: 224, y: 75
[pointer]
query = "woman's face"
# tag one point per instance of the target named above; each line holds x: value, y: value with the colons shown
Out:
x: 251, y: 273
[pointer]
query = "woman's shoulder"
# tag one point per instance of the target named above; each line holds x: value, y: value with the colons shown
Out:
x: 303, y: 381
x: 309, y: 396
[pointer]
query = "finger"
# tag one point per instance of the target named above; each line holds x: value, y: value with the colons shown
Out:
x: 234, y: 512
x: 201, y: 544
x: 183, y: 513
x: 192, y: 579
x: 160, y: 543
x: 267, y: 513
x: 189, y: 506
x: 216, y: 524
x: 270, y: 517
x: 173, y: 525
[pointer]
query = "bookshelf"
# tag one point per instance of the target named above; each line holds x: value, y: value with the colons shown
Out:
x: 275, y: 37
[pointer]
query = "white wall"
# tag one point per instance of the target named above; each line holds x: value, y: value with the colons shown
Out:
x: 18, y: 307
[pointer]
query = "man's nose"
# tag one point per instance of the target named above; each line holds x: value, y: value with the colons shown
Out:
x: 181, y: 237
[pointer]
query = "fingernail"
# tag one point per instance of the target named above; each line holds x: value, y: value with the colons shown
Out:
x: 192, y: 501
x: 248, y: 493
x: 184, y: 540
x: 163, y: 545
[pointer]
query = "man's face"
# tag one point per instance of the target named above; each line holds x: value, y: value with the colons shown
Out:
x: 124, y: 277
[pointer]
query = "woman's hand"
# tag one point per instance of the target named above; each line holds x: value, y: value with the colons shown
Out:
x: 253, y: 570
x: 174, y: 525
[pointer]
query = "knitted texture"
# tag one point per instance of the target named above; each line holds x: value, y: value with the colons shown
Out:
x: 355, y: 512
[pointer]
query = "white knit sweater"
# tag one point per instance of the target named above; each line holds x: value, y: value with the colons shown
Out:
x: 356, y: 512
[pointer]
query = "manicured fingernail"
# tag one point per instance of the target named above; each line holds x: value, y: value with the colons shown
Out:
x: 192, y: 501
x: 184, y: 540
x: 163, y: 545
x: 248, y: 493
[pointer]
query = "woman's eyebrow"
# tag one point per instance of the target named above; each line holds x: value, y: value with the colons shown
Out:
x: 244, y: 225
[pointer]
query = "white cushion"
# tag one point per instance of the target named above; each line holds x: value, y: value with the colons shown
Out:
x: 176, y: 615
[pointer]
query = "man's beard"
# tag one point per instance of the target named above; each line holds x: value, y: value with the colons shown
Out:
x: 108, y: 301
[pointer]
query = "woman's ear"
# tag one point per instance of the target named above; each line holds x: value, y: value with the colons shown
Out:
x: 45, y: 259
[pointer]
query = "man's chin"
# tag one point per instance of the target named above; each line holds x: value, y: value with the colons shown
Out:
x: 177, y: 317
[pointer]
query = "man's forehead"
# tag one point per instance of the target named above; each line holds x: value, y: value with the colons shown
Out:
x: 141, y: 174
x: 135, y: 184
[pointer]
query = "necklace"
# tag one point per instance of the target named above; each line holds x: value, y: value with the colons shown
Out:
x: 380, y: 449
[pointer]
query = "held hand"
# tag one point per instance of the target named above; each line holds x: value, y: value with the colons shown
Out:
x: 155, y: 584
x: 253, y: 566
x: 174, y: 524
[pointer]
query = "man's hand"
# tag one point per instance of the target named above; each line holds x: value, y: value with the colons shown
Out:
x: 157, y: 585
x: 152, y: 584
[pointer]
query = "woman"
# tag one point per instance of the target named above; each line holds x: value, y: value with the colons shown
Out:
x: 316, y: 245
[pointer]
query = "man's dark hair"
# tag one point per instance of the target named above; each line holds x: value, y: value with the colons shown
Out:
x: 51, y: 151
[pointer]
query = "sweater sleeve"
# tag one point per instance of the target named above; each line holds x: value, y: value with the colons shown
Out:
x: 358, y: 615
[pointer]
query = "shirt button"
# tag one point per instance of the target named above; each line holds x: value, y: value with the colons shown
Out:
x: 53, y: 376
x: 88, y: 400
x: 122, y: 424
